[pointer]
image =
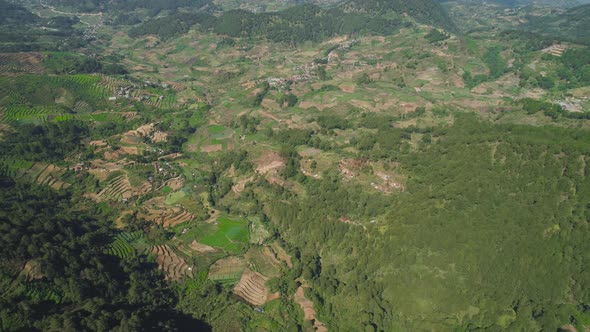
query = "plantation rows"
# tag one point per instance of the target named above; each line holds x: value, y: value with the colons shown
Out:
x: 121, y: 247
x: 39, y: 293
x: 252, y: 287
x: 182, y: 251
x: 21, y: 62
x: 171, y: 221
x: 51, y: 176
x: 170, y: 263
x: 26, y: 88
x: 19, y: 113
x: 13, y: 168
x: 117, y: 188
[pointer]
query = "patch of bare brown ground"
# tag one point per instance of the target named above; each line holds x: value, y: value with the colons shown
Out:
x: 158, y: 211
x: 132, y: 150
x: 175, y: 183
x: 202, y: 248
x: 211, y: 148
x: 241, y: 185
x: 100, y: 143
x: 173, y: 265
x: 159, y: 136
x: 348, y: 88
x: 32, y: 270
x: 309, y: 313
x: 269, y: 161
x: 171, y: 157
x: 252, y: 288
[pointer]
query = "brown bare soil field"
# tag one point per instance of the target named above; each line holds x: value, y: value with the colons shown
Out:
x: 132, y: 150
x: 269, y: 161
x: 368, y: 106
x: 175, y: 183
x: 108, y: 155
x: 32, y: 270
x: 309, y: 313
x: 51, y: 176
x: 178, y: 219
x: 239, y: 187
x: 131, y: 139
x: 159, y: 136
x: 252, y: 288
x: 202, y: 248
x: 170, y: 156
x: 158, y: 211
x: 348, y: 88
x: 212, y: 148
x: 100, y: 143
x: 173, y: 265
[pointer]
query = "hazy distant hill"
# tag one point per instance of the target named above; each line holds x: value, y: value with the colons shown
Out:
x: 11, y: 14
x: 520, y: 3
x: 573, y: 25
x: 307, y: 22
x: 153, y: 6
x: 425, y: 11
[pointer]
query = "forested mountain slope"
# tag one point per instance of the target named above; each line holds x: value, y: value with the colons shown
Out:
x: 346, y: 167
x: 304, y: 22
x: 572, y: 25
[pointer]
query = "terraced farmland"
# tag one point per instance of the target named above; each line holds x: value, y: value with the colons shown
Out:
x: 51, y: 176
x: 227, y: 270
x: 24, y: 113
x: 172, y: 264
x: 40, y: 292
x: 21, y: 62
x: 252, y: 288
x: 121, y: 246
x: 118, y: 188
x: 15, y: 168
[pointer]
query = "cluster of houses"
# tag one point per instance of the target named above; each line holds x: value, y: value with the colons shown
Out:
x: 128, y: 91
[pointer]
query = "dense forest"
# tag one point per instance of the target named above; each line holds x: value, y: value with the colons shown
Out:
x: 154, y: 7
x: 294, y: 25
x: 23, y: 31
x: 68, y: 281
x: 573, y: 25
x: 480, y: 187
x: 303, y: 22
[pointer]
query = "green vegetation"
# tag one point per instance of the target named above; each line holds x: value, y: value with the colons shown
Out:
x: 372, y: 163
x: 435, y: 36
x: 303, y: 22
x: 230, y: 235
x: 572, y: 25
x: 86, y: 289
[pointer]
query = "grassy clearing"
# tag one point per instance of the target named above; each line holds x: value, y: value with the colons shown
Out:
x: 215, y: 129
x: 231, y: 235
